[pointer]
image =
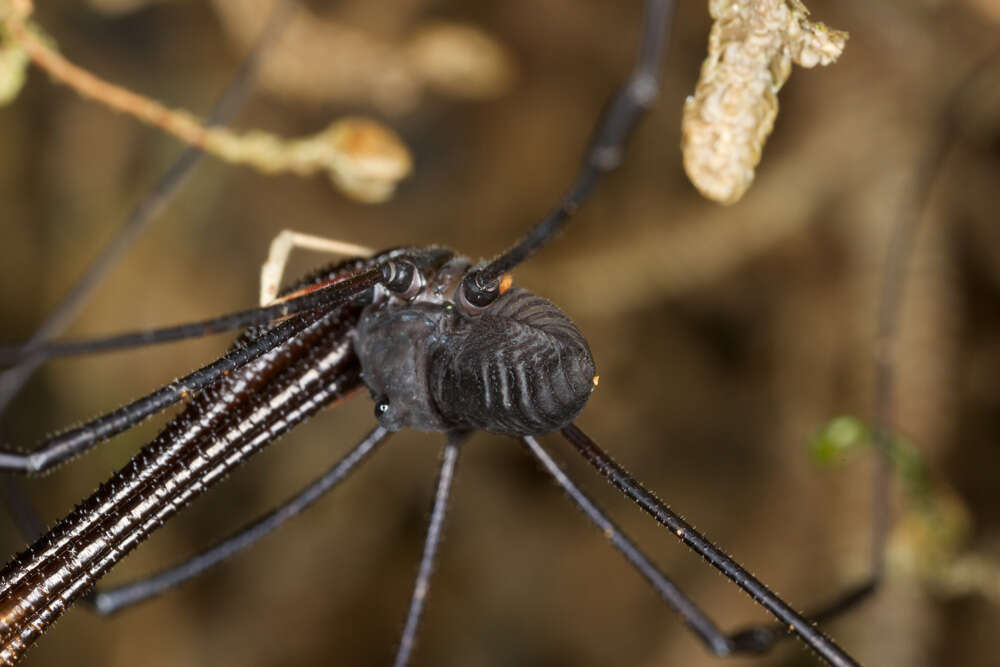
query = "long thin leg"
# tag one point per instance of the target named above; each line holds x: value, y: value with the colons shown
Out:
x: 763, y: 637
x: 762, y: 595
x: 446, y: 474
x: 713, y: 638
x: 323, y: 296
x: 606, y: 149
x: 115, y: 599
x: 282, y: 246
x: 74, y: 442
x: 12, y: 379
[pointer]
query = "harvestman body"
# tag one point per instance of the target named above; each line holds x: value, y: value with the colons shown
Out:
x: 517, y: 366
x: 434, y: 361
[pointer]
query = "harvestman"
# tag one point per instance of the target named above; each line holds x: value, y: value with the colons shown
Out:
x: 324, y: 310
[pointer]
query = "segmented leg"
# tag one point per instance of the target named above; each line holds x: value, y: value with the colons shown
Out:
x: 68, y: 444
x: 449, y: 459
x: 120, y: 597
x: 790, y: 619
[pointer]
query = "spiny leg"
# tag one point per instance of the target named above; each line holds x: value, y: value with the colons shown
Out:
x: 281, y: 247
x: 761, y: 594
x: 115, y: 599
x: 393, y: 275
x: 717, y: 642
x: 135, y: 224
x: 324, y: 296
x: 12, y: 379
x: 449, y: 459
x: 214, y: 435
x: 71, y: 443
x: 120, y: 597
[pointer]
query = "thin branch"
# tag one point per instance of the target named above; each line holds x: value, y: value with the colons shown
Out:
x: 363, y: 158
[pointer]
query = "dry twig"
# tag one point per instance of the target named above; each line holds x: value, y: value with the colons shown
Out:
x: 363, y: 158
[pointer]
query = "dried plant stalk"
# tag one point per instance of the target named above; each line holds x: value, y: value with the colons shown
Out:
x: 363, y: 158
x: 751, y: 49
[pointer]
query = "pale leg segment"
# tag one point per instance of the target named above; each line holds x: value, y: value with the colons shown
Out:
x: 282, y: 246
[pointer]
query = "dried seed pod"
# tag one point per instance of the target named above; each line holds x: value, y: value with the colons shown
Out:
x: 363, y: 158
x: 751, y: 49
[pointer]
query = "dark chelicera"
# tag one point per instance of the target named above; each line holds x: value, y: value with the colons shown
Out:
x: 518, y: 366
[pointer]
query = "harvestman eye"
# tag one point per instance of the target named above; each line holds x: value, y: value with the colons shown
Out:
x: 403, y: 278
x: 474, y: 298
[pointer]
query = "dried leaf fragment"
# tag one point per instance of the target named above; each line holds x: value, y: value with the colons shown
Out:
x: 751, y: 48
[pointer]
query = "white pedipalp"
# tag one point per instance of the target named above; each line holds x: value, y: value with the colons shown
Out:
x: 281, y: 248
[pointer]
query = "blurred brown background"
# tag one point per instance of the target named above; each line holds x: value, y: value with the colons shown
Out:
x: 724, y: 337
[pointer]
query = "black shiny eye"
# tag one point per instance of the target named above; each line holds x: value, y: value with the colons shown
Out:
x: 403, y: 278
x: 381, y: 407
x: 472, y: 298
